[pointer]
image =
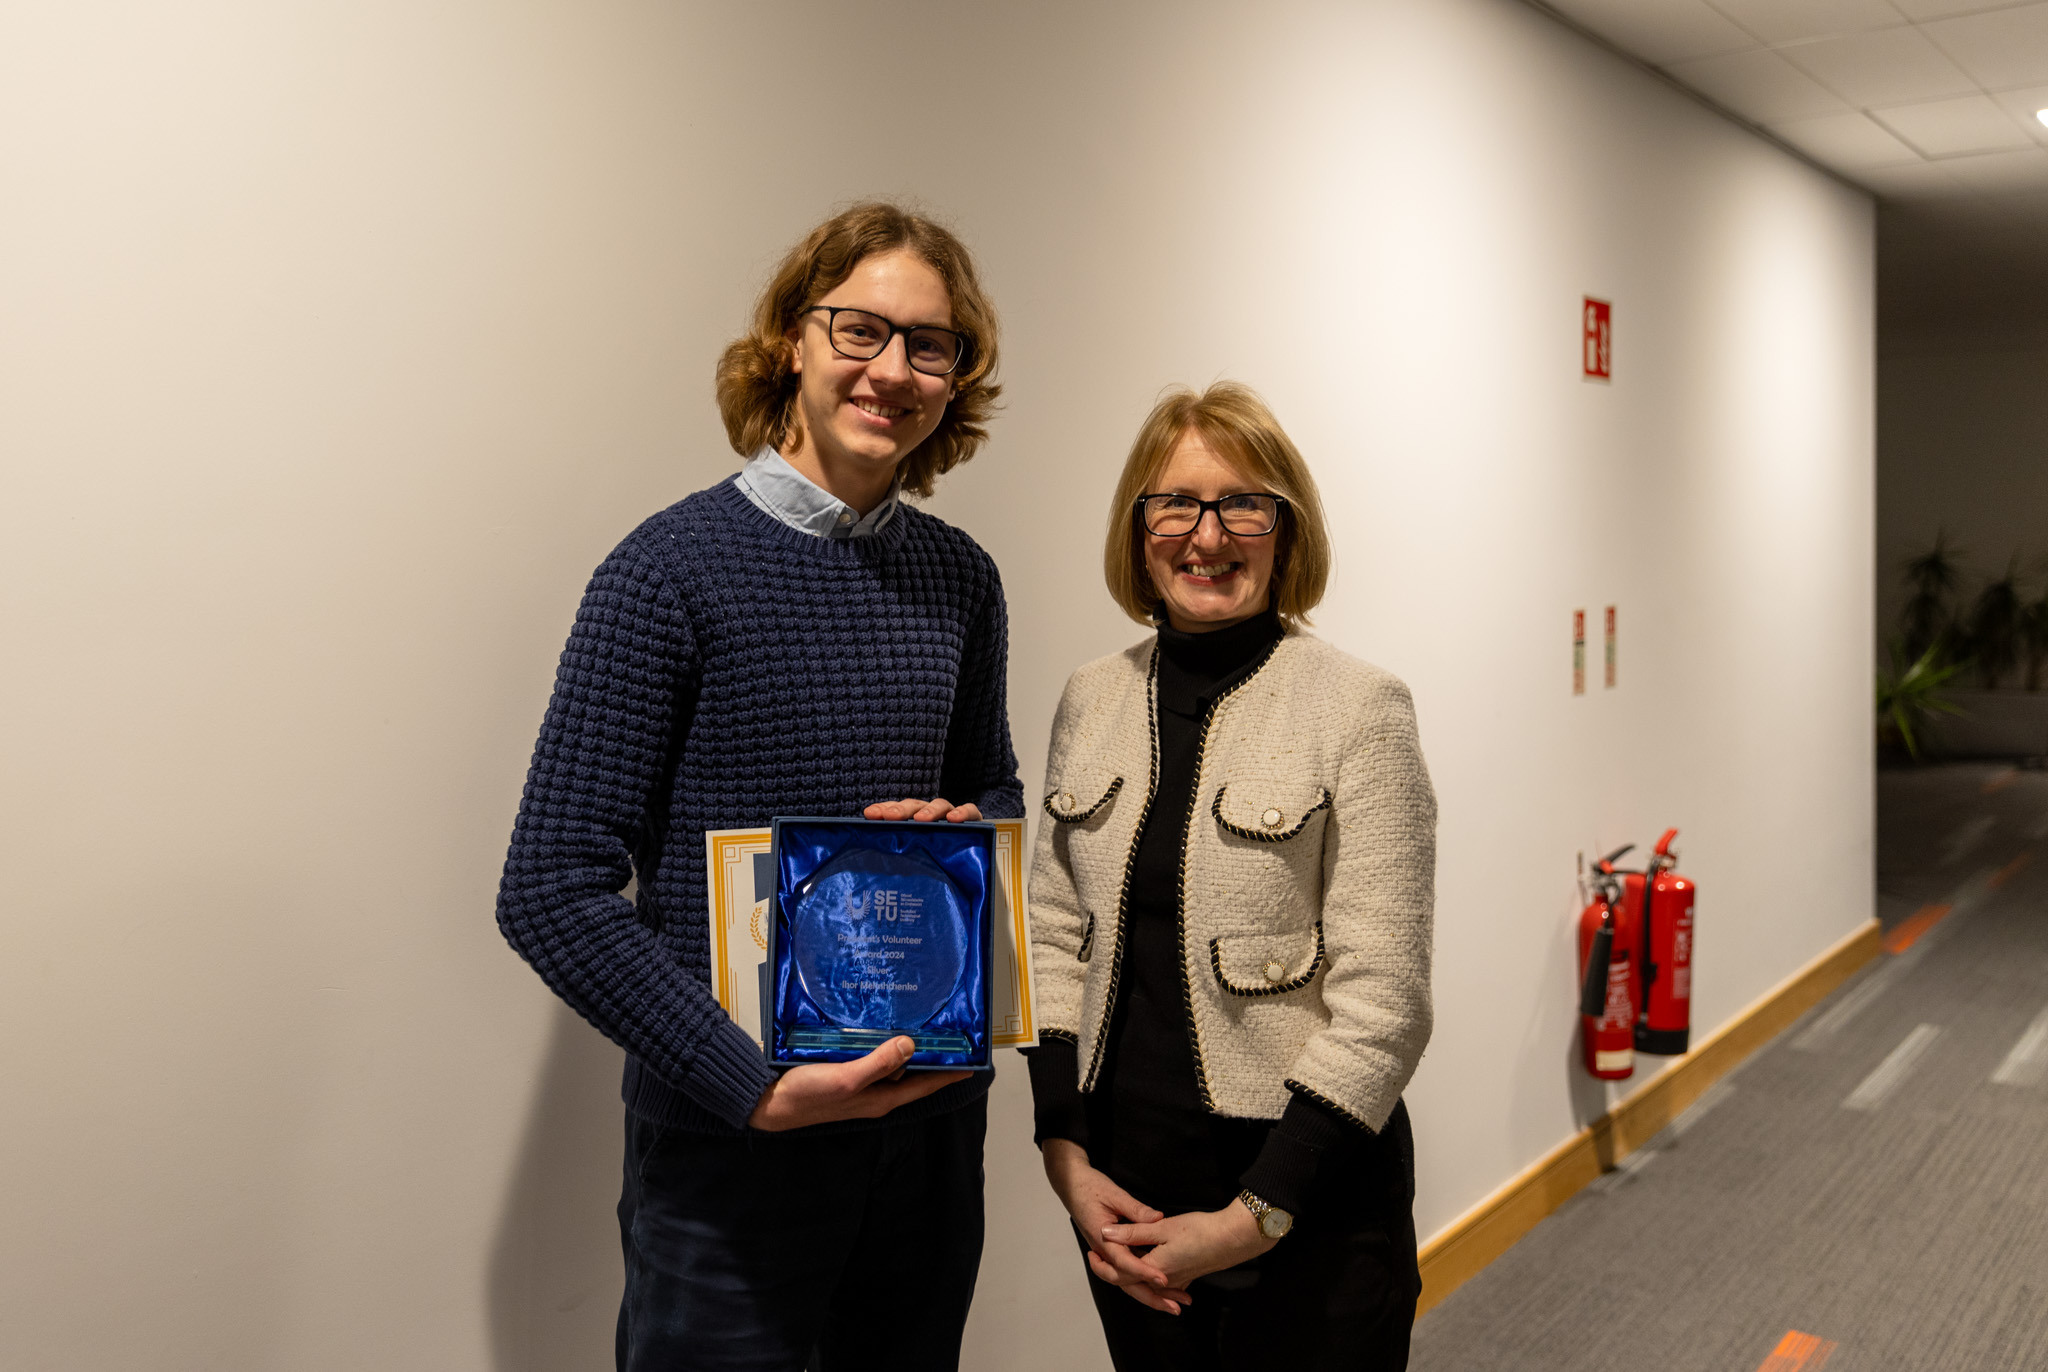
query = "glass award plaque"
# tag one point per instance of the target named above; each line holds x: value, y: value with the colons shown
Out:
x: 882, y: 930
x: 880, y: 941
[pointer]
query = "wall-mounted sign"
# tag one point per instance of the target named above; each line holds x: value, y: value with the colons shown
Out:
x: 1599, y: 340
x: 1578, y: 652
x: 1610, y: 647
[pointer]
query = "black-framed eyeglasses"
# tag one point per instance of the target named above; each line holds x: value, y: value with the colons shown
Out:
x: 1252, y: 515
x: 863, y: 335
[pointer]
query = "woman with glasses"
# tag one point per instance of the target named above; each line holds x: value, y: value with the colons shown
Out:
x: 1231, y: 924
x: 794, y: 640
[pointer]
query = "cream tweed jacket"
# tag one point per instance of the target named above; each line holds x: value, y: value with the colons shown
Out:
x: 1307, y: 879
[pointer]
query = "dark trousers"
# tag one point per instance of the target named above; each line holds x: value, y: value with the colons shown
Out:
x: 780, y: 1252
x: 1338, y: 1292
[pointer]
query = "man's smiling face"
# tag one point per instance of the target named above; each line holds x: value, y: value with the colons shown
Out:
x: 859, y: 420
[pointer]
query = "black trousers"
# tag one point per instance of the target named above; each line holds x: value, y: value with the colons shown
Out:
x: 780, y: 1252
x: 1338, y: 1292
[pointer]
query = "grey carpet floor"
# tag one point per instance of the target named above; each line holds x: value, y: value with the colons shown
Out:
x: 1876, y: 1177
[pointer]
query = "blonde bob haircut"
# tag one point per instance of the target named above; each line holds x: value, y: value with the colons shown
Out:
x: 757, y: 390
x: 1238, y: 427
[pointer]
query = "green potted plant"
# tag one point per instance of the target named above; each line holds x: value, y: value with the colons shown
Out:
x: 1910, y: 694
x: 1928, y: 619
x: 1994, y: 637
x: 2034, y: 639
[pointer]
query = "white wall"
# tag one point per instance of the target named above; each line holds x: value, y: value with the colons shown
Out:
x: 1962, y: 451
x: 342, y: 340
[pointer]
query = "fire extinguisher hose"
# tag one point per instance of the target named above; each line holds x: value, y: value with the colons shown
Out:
x: 1593, y: 994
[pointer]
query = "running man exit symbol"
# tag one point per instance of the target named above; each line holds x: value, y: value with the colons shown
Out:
x: 1599, y: 340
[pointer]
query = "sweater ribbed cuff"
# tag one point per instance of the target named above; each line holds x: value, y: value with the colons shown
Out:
x: 1057, y: 1111
x: 729, y: 1075
x: 1284, y: 1173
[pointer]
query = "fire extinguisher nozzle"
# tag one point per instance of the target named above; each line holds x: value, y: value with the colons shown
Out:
x: 1593, y: 993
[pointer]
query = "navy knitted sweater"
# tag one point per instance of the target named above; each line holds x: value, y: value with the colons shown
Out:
x: 724, y: 669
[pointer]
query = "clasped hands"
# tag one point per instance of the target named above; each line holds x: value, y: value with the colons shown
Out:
x: 870, y: 1087
x: 1151, y: 1255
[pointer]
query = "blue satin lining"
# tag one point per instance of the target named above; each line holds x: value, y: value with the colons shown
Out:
x: 965, y: 852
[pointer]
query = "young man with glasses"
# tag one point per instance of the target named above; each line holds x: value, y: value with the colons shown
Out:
x: 793, y: 641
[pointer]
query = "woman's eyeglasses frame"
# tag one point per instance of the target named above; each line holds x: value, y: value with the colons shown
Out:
x: 1145, y: 520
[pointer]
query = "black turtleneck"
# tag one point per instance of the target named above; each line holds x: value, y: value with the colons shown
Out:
x: 1144, y: 1123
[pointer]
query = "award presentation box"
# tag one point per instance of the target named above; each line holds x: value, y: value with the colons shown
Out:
x: 747, y: 909
x: 879, y: 928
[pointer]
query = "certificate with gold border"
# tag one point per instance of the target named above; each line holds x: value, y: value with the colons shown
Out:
x: 741, y: 879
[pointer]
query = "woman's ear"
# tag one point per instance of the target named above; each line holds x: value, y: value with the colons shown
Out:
x: 794, y: 337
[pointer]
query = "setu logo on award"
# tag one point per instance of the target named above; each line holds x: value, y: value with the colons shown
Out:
x: 889, y: 906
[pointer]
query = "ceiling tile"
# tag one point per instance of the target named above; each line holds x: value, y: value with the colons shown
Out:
x: 2026, y: 106
x: 2002, y: 49
x: 2001, y: 171
x: 1890, y: 67
x: 1758, y: 85
x: 1659, y: 31
x: 1911, y: 181
x: 1845, y: 142
x: 1946, y: 128
x: 1781, y: 21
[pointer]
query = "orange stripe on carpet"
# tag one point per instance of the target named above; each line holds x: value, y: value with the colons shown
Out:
x: 1908, y: 930
x: 1798, y: 1352
x: 1998, y: 781
x: 2011, y: 869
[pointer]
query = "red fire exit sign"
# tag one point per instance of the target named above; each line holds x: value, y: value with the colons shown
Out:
x: 1599, y: 340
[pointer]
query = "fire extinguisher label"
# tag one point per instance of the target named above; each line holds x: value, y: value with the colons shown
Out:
x: 1681, y: 956
x: 1620, y: 1014
x: 1614, y: 1059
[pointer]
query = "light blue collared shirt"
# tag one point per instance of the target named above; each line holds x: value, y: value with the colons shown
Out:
x: 781, y: 490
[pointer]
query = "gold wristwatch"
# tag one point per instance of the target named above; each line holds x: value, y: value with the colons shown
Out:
x: 1273, y: 1221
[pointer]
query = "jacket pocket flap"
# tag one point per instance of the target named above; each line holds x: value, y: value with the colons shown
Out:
x: 1267, y: 964
x: 1078, y: 801
x: 1274, y: 818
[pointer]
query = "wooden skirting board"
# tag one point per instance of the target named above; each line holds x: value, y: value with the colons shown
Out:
x: 1491, y: 1227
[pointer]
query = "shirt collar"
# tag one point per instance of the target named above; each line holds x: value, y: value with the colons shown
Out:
x: 786, y: 493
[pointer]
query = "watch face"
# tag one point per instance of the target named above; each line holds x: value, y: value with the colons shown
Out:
x: 880, y: 939
x: 1275, y: 1223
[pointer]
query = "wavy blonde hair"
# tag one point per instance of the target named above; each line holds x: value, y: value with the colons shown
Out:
x: 1238, y: 426
x: 757, y: 390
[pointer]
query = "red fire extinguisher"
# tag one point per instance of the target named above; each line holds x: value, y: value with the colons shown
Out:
x: 1608, y: 940
x: 1664, y: 1021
